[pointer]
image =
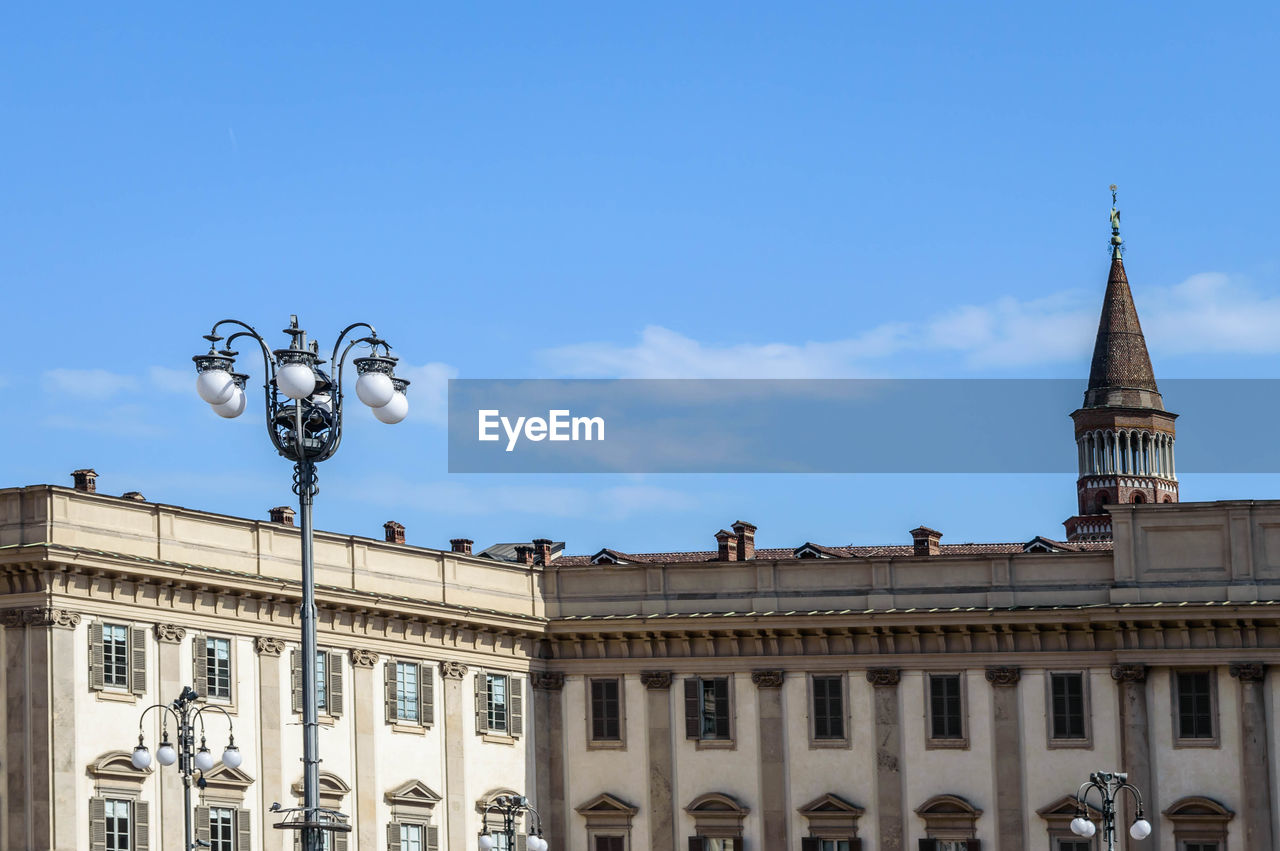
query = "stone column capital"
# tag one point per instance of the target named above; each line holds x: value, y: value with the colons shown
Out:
x: 767, y: 679
x: 41, y: 616
x: 363, y: 658
x: 656, y: 680
x: 268, y: 645
x: 884, y: 676
x: 1129, y: 673
x: 168, y: 633
x: 1003, y: 676
x: 1248, y: 672
x: 547, y: 680
x: 451, y: 670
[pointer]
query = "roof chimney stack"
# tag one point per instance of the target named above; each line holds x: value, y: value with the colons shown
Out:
x: 282, y: 514
x: 926, y: 541
x: 524, y: 554
x: 85, y: 480
x: 133, y: 495
x: 461, y: 545
x: 727, y: 546
x: 746, y: 540
x: 542, y: 550
x: 394, y: 532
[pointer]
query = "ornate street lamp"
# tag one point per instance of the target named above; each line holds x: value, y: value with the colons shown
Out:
x: 304, y: 420
x: 512, y: 807
x: 189, y: 759
x: 1108, y: 785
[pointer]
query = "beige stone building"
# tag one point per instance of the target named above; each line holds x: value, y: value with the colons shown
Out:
x: 922, y: 696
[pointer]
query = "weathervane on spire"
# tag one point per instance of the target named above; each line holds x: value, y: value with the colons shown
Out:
x: 1115, y: 226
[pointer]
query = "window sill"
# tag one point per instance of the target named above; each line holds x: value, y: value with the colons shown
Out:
x: 1197, y: 743
x: 715, y: 744
x: 606, y: 745
x: 498, y: 738
x: 408, y: 727
x: 228, y: 705
x: 833, y: 744
x: 1077, y: 744
x: 947, y: 744
x: 117, y: 696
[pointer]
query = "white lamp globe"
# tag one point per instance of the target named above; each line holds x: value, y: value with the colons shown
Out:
x: 215, y: 386
x: 1090, y: 828
x: 296, y: 380
x: 1079, y: 826
x: 1140, y: 829
x: 233, y: 407
x: 486, y: 842
x: 231, y: 757
x: 375, y: 389
x: 394, y: 411
x: 141, y: 758
x: 204, y: 759
x: 166, y: 755
x: 537, y: 843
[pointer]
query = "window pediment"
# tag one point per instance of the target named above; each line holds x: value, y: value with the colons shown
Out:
x: 220, y: 777
x: 717, y: 815
x: 832, y: 816
x: 117, y: 767
x: 412, y: 793
x: 949, y: 817
x: 606, y: 812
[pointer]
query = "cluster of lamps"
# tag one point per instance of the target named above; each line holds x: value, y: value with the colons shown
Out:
x: 1109, y: 785
x: 533, y: 843
x: 1081, y: 826
x: 167, y: 754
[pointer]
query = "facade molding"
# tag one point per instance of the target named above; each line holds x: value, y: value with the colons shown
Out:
x: 656, y: 680
x: 267, y: 645
x: 767, y: 679
x: 168, y: 633
x: 41, y: 616
x: 1003, y: 676
x: 361, y: 658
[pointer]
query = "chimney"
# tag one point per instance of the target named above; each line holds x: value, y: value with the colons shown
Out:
x: 727, y: 549
x: 394, y: 532
x: 524, y: 554
x: 542, y: 550
x: 926, y: 541
x: 133, y: 495
x: 85, y: 480
x: 461, y: 545
x: 746, y: 540
x: 282, y: 514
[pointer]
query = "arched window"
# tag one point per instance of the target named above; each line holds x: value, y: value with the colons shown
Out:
x: 717, y: 823
x: 950, y: 822
x: 1100, y: 502
x: 1199, y: 822
x: 1138, y: 499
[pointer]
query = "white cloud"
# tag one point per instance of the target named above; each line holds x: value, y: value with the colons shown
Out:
x: 428, y: 392
x: 173, y: 380
x: 1211, y: 313
x: 88, y: 383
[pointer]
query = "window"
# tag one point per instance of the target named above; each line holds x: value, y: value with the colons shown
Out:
x: 1073, y: 845
x: 1200, y: 846
x: 119, y: 832
x: 216, y: 672
x: 606, y: 710
x: 115, y: 656
x: 609, y: 843
x: 410, y: 693
x: 407, y: 691
x: 707, y: 708
x: 814, y: 844
x: 828, y: 707
x: 222, y: 829
x: 1068, y: 708
x: 499, y: 705
x: 496, y: 690
x: 946, y: 710
x: 322, y: 670
x: 709, y: 843
x: 1193, y: 707
x: 329, y: 686
x: 410, y: 837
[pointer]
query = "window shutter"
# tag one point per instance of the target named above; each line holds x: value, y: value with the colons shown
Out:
x: 340, y: 840
x: 389, y: 701
x: 297, y: 840
x: 516, y: 727
x: 295, y: 679
x: 482, y: 703
x: 98, y: 809
x: 521, y: 841
x: 202, y: 824
x: 972, y: 844
x: 692, y: 727
x: 928, y: 845
x: 393, y: 836
x: 695, y: 842
x: 433, y: 838
x: 334, y: 696
x: 200, y: 665
x: 809, y: 843
x: 855, y: 845
x: 244, y: 837
x: 141, y: 826
x: 426, y: 695
x: 137, y: 660
x: 96, y: 682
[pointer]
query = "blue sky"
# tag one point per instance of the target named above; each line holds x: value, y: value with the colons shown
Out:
x: 591, y: 190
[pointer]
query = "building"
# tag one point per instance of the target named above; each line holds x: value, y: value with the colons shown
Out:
x: 920, y: 696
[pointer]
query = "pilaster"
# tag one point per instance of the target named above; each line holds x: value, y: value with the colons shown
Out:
x: 889, y: 779
x: 1135, y: 742
x: 452, y: 674
x: 1006, y: 735
x: 773, y: 757
x: 1255, y: 754
x: 271, y: 788
x: 170, y: 682
x: 662, y: 814
x: 548, y: 690
x: 364, y: 700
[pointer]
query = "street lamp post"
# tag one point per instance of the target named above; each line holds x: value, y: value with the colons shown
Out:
x: 304, y: 420
x: 190, y: 760
x: 511, y: 807
x: 1109, y: 784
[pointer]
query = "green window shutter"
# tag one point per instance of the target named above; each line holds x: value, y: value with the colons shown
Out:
x: 295, y: 680
x: 137, y: 660
x: 98, y: 811
x: 334, y: 696
x: 393, y: 836
x: 244, y: 834
x: 433, y: 838
x: 141, y: 826
x: 692, y: 719
x: 426, y: 695
x: 389, y: 695
x: 200, y: 666
x: 482, y: 702
x: 96, y: 680
x: 517, y: 706
x: 202, y: 825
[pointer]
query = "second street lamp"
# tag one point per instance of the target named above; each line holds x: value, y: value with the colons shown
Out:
x: 304, y: 421
x: 511, y: 807
x: 1109, y: 784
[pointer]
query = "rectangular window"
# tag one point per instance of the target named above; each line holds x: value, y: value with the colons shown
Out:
x: 714, y: 709
x: 1068, y: 706
x: 1195, y: 705
x: 946, y: 710
x: 222, y: 829
x: 1200, y: 846
x: 710, y: 844
x: 828, y: 708
x: 1073, y: 845
x: 115, y: 656
x: 496, y: 689
x: 322, y: 682
x: 606, y: 712
x: 217, y: 653
x: 609, y: 843
x: 833, y: 845
x: 119, y: 830
x: 407, y: 691
x: 411, y: 836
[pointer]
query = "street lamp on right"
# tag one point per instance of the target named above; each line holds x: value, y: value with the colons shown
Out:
x: 1109, y: 784
x: 511, y: 807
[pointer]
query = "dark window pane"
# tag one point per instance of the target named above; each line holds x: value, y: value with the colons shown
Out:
x: 946, y: 719
x: 1195, y: 705
x: 609, y: 843
x: 828, y: 708
x: 606, y: 722
x: 218, y: 668
x: 1068, y: 706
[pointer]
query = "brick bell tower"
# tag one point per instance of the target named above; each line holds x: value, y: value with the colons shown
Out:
x: 1124, y: 436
